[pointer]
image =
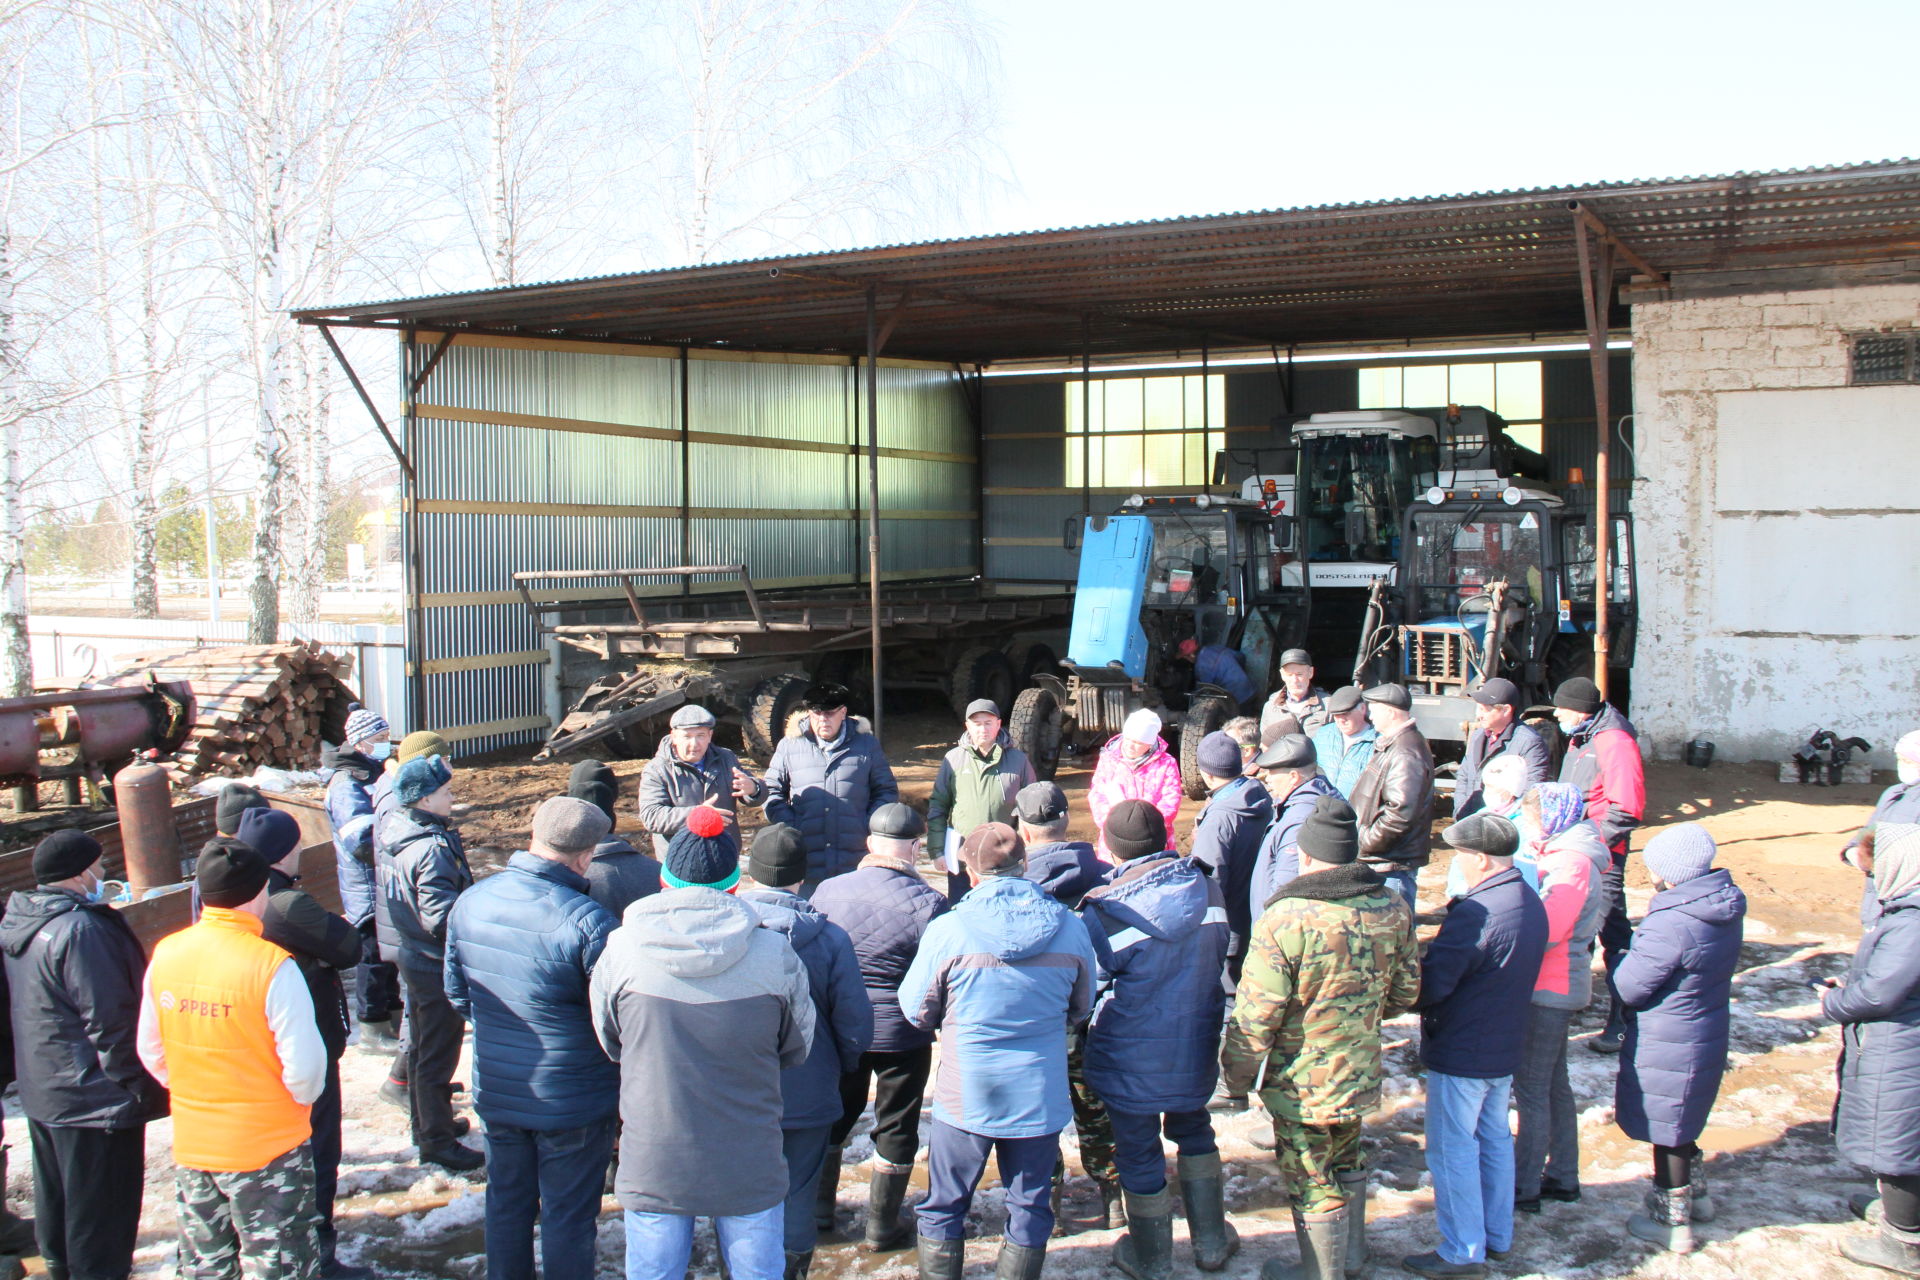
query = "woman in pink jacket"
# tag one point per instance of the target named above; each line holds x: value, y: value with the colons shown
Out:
x: 1135, y: 765
x: 1569, y: 858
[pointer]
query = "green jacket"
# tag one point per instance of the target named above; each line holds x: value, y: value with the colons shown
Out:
x: 1332, y: 958
x: 972, y: 789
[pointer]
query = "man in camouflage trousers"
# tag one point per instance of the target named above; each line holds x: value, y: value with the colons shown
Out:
x: 1329, y: 960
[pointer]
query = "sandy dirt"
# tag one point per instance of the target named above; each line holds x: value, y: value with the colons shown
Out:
x: 1780, y: 1186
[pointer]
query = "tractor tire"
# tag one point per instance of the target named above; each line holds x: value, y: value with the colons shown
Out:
x: 770, y: 708
x: 982, y: 671
x: 1030, y: 660
x: 1204, y: 716
x: 1038, y: 727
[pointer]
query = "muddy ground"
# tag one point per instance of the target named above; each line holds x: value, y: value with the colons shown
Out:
x: 1780, y: 1186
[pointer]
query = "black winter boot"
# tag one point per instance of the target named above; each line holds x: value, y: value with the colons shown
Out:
x: 1889, y: 1249
x: 797, y: 1265
x: 826, y: 1197
x: 942, y: 1259
x: 885, y: 1191
x: 1146, y: 1251
x: 1614, y: 1034
x: 1202, y: 1190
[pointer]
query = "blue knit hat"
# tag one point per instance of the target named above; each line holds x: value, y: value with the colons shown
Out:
x: 272, y: 833
x: 419, y: 778
x: 363, y: 724
x: 703, y: 853
x: 1680, y: 853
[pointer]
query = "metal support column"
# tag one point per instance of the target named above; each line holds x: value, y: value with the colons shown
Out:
x: 873, y: 496
x: 1596, y: 290
x: 410, y: 549
x: 686, y: 476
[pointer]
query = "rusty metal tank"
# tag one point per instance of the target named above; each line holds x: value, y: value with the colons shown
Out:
x: 147, y: 831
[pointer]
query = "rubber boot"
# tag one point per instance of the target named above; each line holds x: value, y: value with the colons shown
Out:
x: 1323, y: 1248
x: 885, y: 1190
x: 1113, y: 1204
x: 1057, y: 1199
x: 942, y: 1259
x: 797, y: 1265
x: 1889, y: 1249
x: 1018, y: 1262
x: 1146, y: 1251
x: 826, y: 1197
x: 1202, y: 1190
x: 1354, y: 1183
x: 1670, y: 1224
x: 16, y: 1232
x: 1865, y: 1205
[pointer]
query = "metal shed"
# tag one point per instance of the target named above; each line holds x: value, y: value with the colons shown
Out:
x: 716, y: 414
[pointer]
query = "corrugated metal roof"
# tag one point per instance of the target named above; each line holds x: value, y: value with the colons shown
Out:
x: 1432, y: 267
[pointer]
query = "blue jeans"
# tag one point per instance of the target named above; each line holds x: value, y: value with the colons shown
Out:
x: 554, y: 1176
x: 1407, y: 885
x: 1470, y: 1154
x: 806, y: 1153
x: 659, y: 1244
x: 1136, y: 1145
x: 955, y: 1161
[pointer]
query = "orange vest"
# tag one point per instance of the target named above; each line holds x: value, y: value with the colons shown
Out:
x: 231, y: 1109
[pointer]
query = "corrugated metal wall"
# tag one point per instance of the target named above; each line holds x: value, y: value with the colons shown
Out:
x: 534, y: 456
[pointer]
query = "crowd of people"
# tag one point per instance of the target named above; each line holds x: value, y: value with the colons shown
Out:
x: 701, y: 1029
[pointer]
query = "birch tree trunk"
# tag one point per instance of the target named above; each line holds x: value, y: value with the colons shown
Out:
x: 16, y: 665
x: 266, y: 145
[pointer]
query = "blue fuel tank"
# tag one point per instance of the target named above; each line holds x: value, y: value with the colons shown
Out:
x: 1115, y: 555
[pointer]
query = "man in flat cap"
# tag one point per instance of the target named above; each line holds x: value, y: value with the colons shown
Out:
x: 1603, y: 760
x: 1001, y: 976
x: 1345, y: 743
x: 688, y: 771
x: 1330, y: 960
x: 977, y: 782
x: 521, y: 947
x: 1290, y: 772
x: 885, y: 907
x: 1393, y: 799
x: 1298, y: 696
x: 1497, y: 732
x: 227, y: 1024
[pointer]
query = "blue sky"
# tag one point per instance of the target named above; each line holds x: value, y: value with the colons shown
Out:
x: 1123, y: 110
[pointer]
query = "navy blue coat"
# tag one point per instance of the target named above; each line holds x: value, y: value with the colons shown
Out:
x: 1278, y: 859
x: 1159, y: 934
x: 423, y: 870
x: 885, y: 911
x: 1877, y: 1122
x: 1226, y: 842
x: 350, y: 815
x: 1476, y: 983
x: 521, y: 946
x: 1519, y: 740
x: 1066, y: 869
x: 1675, y: 983
x: 842, y: 1015
x: 828, y: 794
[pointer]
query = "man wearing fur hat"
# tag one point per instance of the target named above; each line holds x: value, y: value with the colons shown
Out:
x: 1329, y: 961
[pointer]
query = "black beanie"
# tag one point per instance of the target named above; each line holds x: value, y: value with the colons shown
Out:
x: 596, y: 783
x: 1578, y: 694
x: 1331, y: 834
x: 64, y: 855
x: 235, y: 799
x: 230, y: 873
x: 778, y: 857
x: 1135, y: 829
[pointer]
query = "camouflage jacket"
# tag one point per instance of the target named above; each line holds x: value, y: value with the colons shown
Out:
x: 1331, y: 958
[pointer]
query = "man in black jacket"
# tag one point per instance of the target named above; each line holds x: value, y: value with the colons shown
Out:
x: 74, y: 968
x: 322, y: 944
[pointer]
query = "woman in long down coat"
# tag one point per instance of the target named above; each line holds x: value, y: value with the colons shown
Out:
x: 1676, y: 983
x: 1877, y: 1121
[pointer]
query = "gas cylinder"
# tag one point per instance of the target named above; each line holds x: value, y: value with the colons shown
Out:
x: 147, y: 833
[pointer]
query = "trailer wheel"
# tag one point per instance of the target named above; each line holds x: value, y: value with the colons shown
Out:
x: 1037, y: 727
x: 1030, y: 660
x: 1204, y: 716
x: 769, y: 707
x: 982, y: 672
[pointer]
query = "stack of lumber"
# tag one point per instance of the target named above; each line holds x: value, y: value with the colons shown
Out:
x: 271, y: 704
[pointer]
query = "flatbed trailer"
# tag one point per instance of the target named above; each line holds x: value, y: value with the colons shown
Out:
x: 747, y: 654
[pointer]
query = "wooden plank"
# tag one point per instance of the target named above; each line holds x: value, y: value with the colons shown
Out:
x: 575, y: 346
x: 465, y: 599
x: 489, y: 728
x: 486, y: 662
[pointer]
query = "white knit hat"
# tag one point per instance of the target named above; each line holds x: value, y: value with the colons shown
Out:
x: 1142, y: 726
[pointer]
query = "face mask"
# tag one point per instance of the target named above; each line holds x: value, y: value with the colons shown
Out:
x: 379, y: 751
x: 1907, y: 770
x: 97, y: 892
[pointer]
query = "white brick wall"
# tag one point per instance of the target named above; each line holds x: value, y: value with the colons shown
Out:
x: 1833, y: 642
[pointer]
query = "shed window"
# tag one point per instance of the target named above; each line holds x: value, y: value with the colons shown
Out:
x: 1880, y: 358
x: 1510, y: 388
x: 1146, y: 432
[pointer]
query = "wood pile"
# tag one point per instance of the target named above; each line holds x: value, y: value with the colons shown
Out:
x: 271, y: 704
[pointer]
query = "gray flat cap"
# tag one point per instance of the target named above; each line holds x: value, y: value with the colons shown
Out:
x: 1390, y: 695
x: 1289, y: 751
x: 1344, y: 699
x: 692, y: 717
x: 567, y: 824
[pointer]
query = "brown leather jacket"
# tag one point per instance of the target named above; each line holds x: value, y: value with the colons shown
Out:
x: 1394, y: 801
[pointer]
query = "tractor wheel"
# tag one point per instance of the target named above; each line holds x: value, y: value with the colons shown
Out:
x: 769, y: 708
x: 1038, y: 727
x: 1030, y: 660
x: 982, y: 672
x: 1204, y: 716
